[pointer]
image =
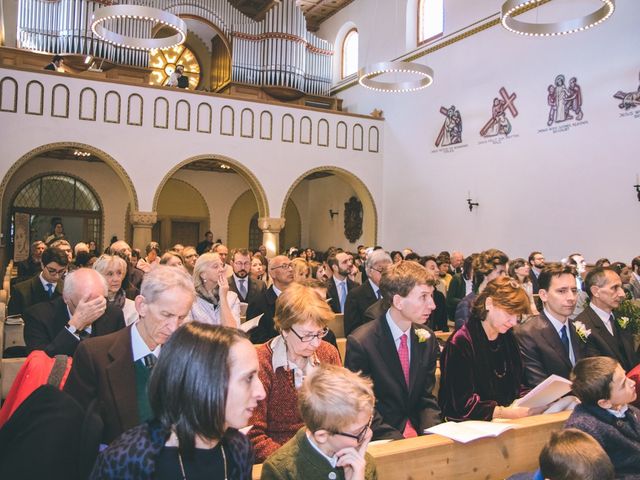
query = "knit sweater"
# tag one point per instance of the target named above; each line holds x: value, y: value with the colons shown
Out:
x: 276, y: 418
x: 297, y: 459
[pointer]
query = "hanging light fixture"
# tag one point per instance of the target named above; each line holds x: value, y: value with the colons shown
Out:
x: 138, y: 12
x: 511, y: 8
x: 366, y: 75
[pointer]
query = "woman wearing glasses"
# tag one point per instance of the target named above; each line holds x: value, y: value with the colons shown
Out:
x: 215, y: 304
x: 301, y: 317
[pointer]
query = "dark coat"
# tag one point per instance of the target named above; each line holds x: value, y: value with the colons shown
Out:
x: 255, y: 288
x: 456, y: 292
x: 28, y: 293
x: 332, y: 293
x: 358, y: 300
x: 620, y: 438
x: 602, y: 343
x: 372, y: 351
x: 265, y: 304
x: 103, y: 369
x: 44, y: 327
x: 542, y: 350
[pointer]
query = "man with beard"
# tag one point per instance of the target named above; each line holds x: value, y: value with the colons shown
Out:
x: 536, y: 261
x: 241, y: 282
x: 339, y: 283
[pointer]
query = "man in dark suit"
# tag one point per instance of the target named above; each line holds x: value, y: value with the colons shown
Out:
x: 114, y: 369
x: 339, y: 284
x: 32, y: 266
x: 536, y: 261
x: 241, y: 282
x: 455, y: 263
x: 41, y: 288
x: 58, y: 326
x: 363, y: 296
x: 608, y: 337
x: 399, y: 353
x: 281, y: 273
x: 548, y: 342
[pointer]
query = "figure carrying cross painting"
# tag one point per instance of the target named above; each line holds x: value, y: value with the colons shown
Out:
x: 451, y: 131
x: 499, y: 124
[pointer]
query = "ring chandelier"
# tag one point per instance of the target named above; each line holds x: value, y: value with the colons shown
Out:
x: 514, y: 7
x: 366, y: 74
x: 138, y: 12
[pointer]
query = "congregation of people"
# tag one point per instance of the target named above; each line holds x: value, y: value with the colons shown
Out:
x: 200, y: 361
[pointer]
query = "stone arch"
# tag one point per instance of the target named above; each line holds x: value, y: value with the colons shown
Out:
x: 370, y: 211
x: 248, y: 176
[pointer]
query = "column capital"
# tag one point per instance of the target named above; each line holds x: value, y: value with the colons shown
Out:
x: 271, y: 225
x: 143, y: 219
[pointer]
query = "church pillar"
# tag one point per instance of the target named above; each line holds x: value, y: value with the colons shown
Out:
x: 142, y: 224
x: 271, y: 234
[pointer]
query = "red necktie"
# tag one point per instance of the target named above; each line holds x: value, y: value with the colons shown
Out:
x: 403, y: 353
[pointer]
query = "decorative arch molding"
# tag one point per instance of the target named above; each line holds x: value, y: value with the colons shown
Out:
x: 368, y: 204
x: 105, y: 157
x: 195, y: 190
x: 254, y: 184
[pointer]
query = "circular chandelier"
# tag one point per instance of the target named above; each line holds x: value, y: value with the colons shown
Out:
x: 138, y: 12
x: 366, y: 74
x: 510, y: 8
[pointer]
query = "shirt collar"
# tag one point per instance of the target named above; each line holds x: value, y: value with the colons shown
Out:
x: 279, y: 360
x: 557, y: 324
x: 396, y: 333
x: 140, y: 349
x: 375, y: 287
x: 44, y: 282
x: 332, y: 460
x: 604, y: 316
x: 338, y: 281
x: 276, y: 290
x: 618, y: 413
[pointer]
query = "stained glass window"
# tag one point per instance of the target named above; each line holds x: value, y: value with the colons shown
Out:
x: 163, y: 63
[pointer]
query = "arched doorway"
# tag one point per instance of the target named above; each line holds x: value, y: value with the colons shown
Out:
x: 323, y: 197
x: 230, y: 193
x: 49, y: 199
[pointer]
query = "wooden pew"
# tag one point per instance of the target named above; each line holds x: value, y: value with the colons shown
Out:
x: 437, y: 457
x: 337, y: 325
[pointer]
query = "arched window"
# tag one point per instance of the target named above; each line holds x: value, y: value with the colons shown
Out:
x: 430, y: 19
x: 55, y: 198
x: 350, y: 53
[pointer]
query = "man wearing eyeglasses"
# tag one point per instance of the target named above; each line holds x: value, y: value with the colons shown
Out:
x: 247, y: 288
x: 41, y: 288
x: 58, y: 326
x: 398, y: 352
x: 281, y: 272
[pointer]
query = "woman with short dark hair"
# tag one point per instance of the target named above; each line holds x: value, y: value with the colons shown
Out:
x: 204, y: 388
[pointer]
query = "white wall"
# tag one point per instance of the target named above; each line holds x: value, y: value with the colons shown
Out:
x: 562, y: 192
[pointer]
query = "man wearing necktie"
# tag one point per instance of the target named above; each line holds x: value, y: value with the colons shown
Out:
x: 363, y: 296
x: 115, y: 369
x: 247, y: 288
x: 339, y: 285
x: 548, y: 342
x: 398, y: 352
x: 609, y: 337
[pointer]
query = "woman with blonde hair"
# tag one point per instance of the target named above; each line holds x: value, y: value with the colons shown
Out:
x: 301, y: 269
x: 481, y: 367
x: 215, y: 303
x: 114, y: 268
x: 301, y: 317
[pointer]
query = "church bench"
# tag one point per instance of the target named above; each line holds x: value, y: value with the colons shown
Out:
x: 437, y: 457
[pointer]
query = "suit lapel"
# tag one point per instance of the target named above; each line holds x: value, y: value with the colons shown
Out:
x: 61, y: 315
x: 604, y: 333
x: 576, y: 342
x: 550, y: 334
x: 389, y: 352
x: 417, y: 350
x: 122, y: 379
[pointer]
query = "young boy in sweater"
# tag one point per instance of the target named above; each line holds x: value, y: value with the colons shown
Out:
x: 336, y: 406
x: 605, y: 392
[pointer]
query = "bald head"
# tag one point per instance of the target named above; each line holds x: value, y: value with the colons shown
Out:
x: 281, y: 271
x: 120, y: 247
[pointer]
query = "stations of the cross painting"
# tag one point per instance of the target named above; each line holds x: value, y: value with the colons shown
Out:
x: 498, y: 123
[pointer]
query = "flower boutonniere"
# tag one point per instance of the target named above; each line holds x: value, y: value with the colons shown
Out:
x: 582, y: 331
x: 623, y: 322
x: 422, y: 334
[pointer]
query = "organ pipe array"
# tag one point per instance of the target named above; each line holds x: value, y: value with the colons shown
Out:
x: 277, y: 51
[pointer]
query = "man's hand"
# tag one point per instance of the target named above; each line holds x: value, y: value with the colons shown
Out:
x: 88, y: 311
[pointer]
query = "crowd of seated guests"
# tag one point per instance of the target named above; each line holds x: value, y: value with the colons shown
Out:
x: 171, y: 415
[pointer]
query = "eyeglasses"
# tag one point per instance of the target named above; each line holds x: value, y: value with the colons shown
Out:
x: 309, y: 337
x: 57, y: 273
x: 360, y: 435
x: 285, y: 266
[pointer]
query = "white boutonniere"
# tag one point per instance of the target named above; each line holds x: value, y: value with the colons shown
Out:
x: 582, y: 331
x: 623, y: 322
x: 422, y: 334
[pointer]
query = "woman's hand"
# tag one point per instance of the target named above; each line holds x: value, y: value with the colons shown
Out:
x: 513, y: 411
x: 223, y: 285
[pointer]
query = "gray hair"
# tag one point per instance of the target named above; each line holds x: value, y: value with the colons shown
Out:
x: 162, y: 278
x: 204, y: 261
x: 105, y: 261
x: 377, y: 256
x: 72, y: 282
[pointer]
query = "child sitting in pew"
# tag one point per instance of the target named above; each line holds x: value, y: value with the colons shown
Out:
x: 336, y: 406
x: 605, y: 392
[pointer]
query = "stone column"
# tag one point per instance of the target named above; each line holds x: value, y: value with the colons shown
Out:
x: 271, y: 234
x: 142, y: 224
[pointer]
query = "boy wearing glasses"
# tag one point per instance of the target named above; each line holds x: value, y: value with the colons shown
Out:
x: 336, y: 406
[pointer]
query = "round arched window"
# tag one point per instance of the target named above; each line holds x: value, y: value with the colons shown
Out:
x: 163, y: 63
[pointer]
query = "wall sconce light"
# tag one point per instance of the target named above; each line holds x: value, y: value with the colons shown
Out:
x: 333, y: 213
x: 471, y: 203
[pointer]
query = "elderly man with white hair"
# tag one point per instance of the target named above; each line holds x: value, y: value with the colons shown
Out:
x: 58, y: 326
